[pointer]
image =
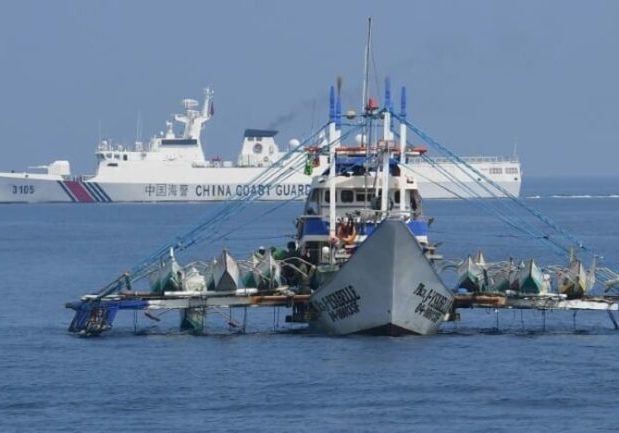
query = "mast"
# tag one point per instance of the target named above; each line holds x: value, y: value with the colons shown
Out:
x: 402, y: 146
x: 194, y: 119
x: 332, y: 138
x: 366, y: 132
x: 386, y: 153
x: 366, y: 70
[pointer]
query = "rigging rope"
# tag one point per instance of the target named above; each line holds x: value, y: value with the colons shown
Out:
x: 431, y: 141
x: 292, y: 161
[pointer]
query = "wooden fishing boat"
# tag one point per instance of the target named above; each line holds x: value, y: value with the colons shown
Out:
x: 470, y: 275
x: 264, y: 272
x: 226, y: 274
x: 502, y: 277
x: 531, y: 280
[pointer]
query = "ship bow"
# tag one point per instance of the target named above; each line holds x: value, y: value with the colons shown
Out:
x: 388, y: 287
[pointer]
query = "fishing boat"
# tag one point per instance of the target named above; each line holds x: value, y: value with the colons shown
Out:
x: 195, y: 277
x: 364, y: 233
x: 172, y: 167
x: 226, y: 274
x: 264, y: 272
x: 502, y: 276
x: 471, y: 275
x: 574, y: 281
x: 167, y: 276
x: 531, y: 280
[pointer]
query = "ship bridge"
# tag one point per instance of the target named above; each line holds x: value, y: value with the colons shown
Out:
x: 259, y: 148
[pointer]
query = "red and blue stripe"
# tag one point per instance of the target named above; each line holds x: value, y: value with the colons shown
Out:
x: 84, y: 192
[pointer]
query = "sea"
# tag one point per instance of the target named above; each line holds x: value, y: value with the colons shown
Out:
x: 509, y: 371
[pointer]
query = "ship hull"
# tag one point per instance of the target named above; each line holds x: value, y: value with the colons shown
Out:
x: 26, y: 188
x: 388, y: 287
x: 214, y: 184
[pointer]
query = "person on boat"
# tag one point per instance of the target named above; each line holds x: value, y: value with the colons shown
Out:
x: 179, y: 280
x: 416, y: 204
x: 290, y: 270
x: 346, y: 231
x: 341, y: 228
x: 278, y: 253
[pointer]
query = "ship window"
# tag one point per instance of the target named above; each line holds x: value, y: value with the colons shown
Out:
x: 313, y: 203
x: 124, y: 157
x: 360, y: 196
x: 496, y: 170
x: 327, y: 196
x: 396, y: 197
x: 347, y: 196
x: 116, y: 156
x: 112, y: 164
x: 511, y: 170
x: 250, y: 138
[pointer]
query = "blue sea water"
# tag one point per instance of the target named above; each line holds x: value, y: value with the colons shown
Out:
x: 469, y: 378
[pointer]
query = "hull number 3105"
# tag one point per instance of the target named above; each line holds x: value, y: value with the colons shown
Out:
x: 22, y: 189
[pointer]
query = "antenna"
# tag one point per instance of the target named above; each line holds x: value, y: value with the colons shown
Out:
x: 138, y: 128
x: 331, y: 104
x: 366, y: 67
x: 338, y: 103
x: 403, y: 103
x: 515, y: 151
x: 388, y: 105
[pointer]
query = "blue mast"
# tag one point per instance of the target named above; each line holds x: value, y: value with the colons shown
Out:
x: 332, y: 104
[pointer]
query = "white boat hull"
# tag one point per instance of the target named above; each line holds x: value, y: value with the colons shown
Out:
x: 388, y: 287
x: 30, y: 188
x: 226, y: 274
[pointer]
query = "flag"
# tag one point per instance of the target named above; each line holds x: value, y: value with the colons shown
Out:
x: 309, y: 166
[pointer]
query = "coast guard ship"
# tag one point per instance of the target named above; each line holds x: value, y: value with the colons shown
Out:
x: 171, y: 167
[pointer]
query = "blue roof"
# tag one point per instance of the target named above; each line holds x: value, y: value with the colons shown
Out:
x: 347, y: 163
x: 260, y: 133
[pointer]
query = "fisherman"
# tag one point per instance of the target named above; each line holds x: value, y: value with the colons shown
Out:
x: 278, y: 254
x: 346, y: 231
x: 341, y: 229
x: 179, y: 280
x: 290, y: 270
x: 416, y: 204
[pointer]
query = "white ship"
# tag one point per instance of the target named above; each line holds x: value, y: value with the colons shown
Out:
x: 171, y: 167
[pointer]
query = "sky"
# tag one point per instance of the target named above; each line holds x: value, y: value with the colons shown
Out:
x: 482, y: 76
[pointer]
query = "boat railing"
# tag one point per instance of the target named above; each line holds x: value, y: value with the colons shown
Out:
x: 468, y: 159
x: 82, y: 178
